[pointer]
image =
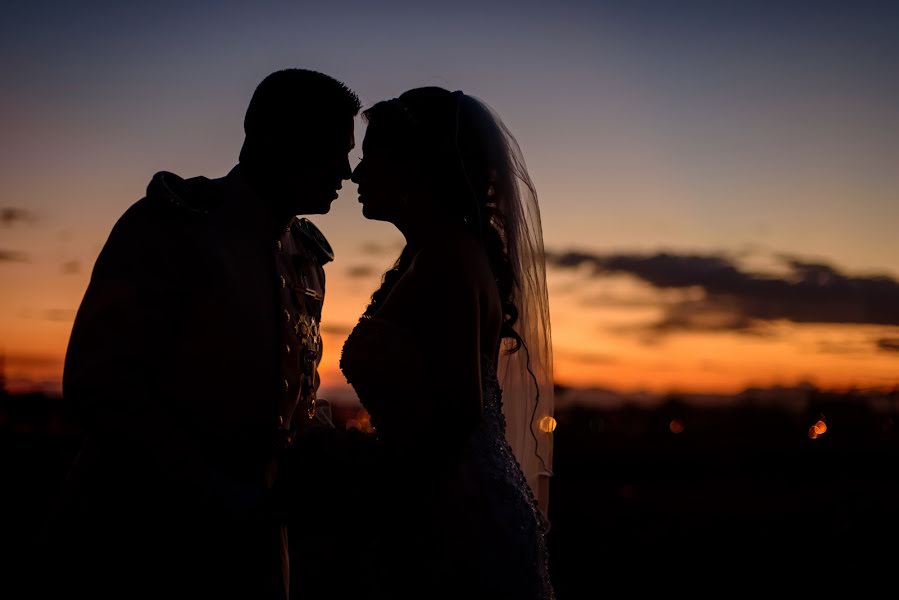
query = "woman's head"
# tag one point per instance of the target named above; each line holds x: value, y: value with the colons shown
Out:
x: 430, y: 152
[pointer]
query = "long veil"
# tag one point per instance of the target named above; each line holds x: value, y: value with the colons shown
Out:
x: 525, y: 376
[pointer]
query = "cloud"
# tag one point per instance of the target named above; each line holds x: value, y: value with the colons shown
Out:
x: 337, y: 329
x: 32, y: 361
x: 733, y: 298
x: 844, y: 347
x: 360, y: 271
x: 592, y: 358
x: 12, y: 256
x: 378, y: 249
x: 10, y: 216
x: 622, y: 301
x: 60, y: 314
x: 888, y: 344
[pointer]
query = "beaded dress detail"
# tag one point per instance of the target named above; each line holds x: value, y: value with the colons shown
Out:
x: 490, y: 501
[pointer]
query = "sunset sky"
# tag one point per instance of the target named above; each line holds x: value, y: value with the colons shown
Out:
x: 719, y: 181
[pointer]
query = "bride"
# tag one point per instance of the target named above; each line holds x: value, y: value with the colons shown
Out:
x: 452, y: 357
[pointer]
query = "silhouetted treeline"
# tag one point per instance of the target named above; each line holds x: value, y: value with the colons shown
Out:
x: 753, y: 487
x: 716, y: 498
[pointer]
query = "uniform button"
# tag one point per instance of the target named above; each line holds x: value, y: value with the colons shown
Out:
x: 288, y: 348
x: 278, y: 244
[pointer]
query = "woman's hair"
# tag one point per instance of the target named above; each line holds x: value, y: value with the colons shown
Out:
x: 469, y: 169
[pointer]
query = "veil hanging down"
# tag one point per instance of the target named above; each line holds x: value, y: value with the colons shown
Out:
x: 525, y: 376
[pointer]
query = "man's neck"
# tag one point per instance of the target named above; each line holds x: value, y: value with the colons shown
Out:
x: 271, y: 222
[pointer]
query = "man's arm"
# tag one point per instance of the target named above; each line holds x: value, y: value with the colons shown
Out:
x: 116, y: 355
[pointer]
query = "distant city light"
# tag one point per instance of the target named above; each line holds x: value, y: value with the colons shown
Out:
x: 818, y: 429
x: 547, y: 424
x: 362, y: 422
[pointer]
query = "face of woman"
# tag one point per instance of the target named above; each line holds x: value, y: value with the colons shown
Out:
x: 384, y: 176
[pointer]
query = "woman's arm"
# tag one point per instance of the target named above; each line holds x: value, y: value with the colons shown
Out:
x: 438, y: 299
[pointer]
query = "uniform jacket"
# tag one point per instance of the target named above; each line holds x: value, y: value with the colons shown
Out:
x: 193, y: 361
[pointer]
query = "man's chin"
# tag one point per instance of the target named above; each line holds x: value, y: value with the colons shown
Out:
x: 320, y: 210
x: 320, y: 207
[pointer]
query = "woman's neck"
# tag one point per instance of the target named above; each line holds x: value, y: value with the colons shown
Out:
x: 429, y: 229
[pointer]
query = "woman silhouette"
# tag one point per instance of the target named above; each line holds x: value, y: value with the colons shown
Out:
x: 452, y: 356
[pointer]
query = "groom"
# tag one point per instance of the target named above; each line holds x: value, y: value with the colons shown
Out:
x: 193, y: 360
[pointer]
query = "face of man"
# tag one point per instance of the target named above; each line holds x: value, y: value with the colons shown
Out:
x: 312, y: 174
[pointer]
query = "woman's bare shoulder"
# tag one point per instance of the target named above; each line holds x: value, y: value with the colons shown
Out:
x: 456, y: 260
x: 441, y: 277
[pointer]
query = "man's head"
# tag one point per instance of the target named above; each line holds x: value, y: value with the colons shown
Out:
x: 299, y: 130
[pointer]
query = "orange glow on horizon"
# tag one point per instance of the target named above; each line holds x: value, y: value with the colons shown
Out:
x: 595, y: 347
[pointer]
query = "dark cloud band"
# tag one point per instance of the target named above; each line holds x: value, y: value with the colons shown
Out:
x: 733, y: 298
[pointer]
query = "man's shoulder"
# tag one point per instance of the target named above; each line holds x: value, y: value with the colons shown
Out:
x: 152, y: 225
x: 170, y: 203
x: 194, y: 196
x: 312, y: 239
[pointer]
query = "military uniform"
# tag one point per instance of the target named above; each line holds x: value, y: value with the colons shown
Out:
x: 193, y: 363
x: 300, y: 256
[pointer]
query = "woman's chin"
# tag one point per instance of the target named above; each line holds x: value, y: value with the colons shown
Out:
x: 374, y: 213
x: 371, y: 214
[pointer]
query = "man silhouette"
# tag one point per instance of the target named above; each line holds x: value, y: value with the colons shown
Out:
x: 193, y: 360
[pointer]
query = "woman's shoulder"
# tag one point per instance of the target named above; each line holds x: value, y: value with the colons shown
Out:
x: 457, y: 260
x: 443, y: 276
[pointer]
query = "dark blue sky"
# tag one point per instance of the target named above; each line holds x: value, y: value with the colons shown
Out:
x: 743, y: 128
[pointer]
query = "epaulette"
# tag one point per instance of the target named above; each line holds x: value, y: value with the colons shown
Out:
x: 314, y: 240
x: 195, y: 195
